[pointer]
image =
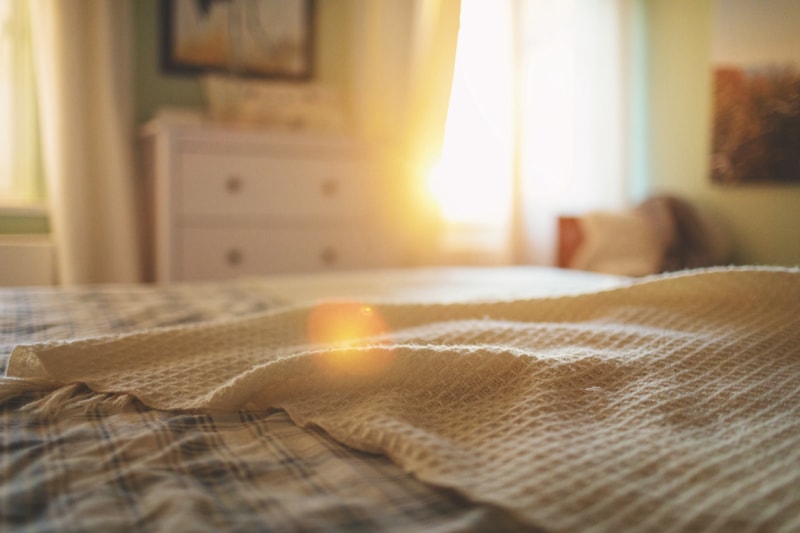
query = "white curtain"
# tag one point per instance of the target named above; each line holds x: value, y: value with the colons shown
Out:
x: 472, y: 181
x: 567, y: 148
x: 401, y: 77
x: 575, y: 82
x: 83, y: 67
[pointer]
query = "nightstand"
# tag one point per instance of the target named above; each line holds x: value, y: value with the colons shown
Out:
x: 225, y: 201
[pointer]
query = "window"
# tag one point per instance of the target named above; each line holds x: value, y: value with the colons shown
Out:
x: 473, y: 180
x: 541, y: 89
x: 20, y: 173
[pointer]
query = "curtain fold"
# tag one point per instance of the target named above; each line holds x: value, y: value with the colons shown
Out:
x: 83, y: 68
x: 401, y: 78
x: 473, y: 178
x: 435, y: 33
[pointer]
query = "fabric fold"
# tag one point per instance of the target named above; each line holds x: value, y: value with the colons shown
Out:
x: 675, y: 400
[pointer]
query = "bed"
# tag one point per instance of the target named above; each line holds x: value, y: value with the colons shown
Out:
x: 450, y: 399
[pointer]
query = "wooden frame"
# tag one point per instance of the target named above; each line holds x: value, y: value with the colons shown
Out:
x: 260, y: 38
x: 570, y: 237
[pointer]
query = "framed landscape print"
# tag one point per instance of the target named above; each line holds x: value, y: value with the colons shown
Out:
x: 756, y: 106
x: 263, y: 38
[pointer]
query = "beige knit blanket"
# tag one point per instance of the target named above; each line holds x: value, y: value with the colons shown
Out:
x: 670, y: 404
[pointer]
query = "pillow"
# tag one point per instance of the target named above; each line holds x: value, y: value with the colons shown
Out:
x: 622, y: 243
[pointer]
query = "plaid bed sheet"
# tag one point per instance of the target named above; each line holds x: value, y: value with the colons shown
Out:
x: 135, y: 469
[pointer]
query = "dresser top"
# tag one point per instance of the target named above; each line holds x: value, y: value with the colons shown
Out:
x: 196, y: 125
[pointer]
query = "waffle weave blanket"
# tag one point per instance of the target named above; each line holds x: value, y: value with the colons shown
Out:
x: 672, y: 403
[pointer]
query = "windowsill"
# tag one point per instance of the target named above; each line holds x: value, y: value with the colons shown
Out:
x: 22, y: 210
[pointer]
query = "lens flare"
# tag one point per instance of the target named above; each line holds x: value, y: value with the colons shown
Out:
x: 356, y: 335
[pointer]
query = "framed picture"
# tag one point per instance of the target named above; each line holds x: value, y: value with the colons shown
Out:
x: 756, y: 77
x: 262, y: 38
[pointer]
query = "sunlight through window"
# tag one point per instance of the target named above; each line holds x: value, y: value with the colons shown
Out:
x: 473, y: 180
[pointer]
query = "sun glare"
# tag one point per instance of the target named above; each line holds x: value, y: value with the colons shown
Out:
x: 472, y: 182
x: 355, y: 334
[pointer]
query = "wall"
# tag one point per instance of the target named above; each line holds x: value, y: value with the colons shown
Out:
x: 15, y: 223
x: 764, y: 221
x: 153, y: 89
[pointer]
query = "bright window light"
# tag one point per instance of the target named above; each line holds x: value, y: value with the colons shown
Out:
x: 472, y: 182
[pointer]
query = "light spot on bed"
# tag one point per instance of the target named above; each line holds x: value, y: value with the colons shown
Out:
x: 355, y: 334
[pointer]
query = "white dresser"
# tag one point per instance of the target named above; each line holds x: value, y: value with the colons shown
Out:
x: 226, y: 201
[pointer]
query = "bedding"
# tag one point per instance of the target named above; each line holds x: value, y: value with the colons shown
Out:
x: 449, y: 400
x: 661, y: 234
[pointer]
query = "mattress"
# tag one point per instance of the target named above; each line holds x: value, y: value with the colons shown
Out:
x: 514, y: 399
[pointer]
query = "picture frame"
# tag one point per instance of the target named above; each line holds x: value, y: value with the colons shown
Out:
x: 251, y: 38
x: 756, y: 93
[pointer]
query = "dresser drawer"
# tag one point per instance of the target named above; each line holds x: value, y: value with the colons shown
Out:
x: 212, y: 184
x: 225, y: 201
x: 216, y: 253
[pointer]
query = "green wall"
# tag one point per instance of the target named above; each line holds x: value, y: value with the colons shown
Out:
x: 153, y: 89
x: 764, y: 221
x: 18, y: 224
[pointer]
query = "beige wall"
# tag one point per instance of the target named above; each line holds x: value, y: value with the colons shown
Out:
x: 764, y: 221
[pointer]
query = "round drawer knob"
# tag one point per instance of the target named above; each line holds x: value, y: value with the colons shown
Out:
x: 233, y: 184
x: 234, y: 257
x: 330, y: 187
x: 329, y: 256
